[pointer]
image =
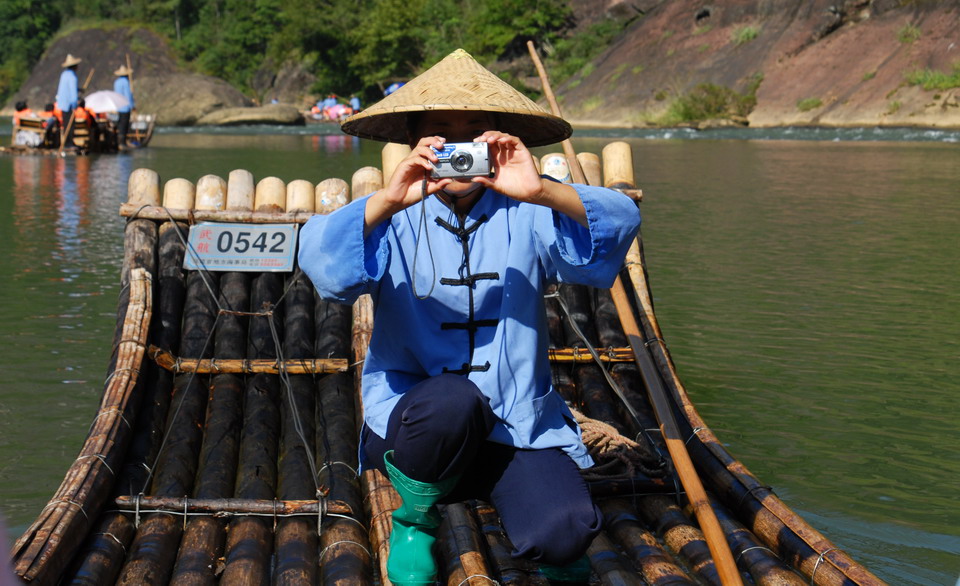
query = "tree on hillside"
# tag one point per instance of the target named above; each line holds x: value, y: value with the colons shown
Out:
x: 25, y: 28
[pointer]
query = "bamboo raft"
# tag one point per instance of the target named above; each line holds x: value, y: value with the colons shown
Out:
x: 225, y: 445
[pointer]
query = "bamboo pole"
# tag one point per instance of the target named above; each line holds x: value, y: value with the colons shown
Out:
x: 249, y: 544
x: 105, y: 548
x: 153, y: 550
x: 168, y: 361
x: 233, y: 506
x: 330, y: 194
x: 297, y: 539
x: 461, y: 548
x: 345, y: 556
x: 203, y: 539
x: 191, y: 215
x: 684, y: 466
x: 611, y: 565
x: 655, y: 564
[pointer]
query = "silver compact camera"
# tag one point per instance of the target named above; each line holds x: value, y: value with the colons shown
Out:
x: 462, y: 159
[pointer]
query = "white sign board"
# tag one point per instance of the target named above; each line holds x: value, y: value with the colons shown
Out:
x: 241, y: 247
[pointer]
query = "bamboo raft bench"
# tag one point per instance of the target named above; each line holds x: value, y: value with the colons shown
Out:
x: 225, y: 446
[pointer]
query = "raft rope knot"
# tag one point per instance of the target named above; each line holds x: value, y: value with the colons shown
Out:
x: 817, y: 565
x: 609, y: 448
x: 693, y: 434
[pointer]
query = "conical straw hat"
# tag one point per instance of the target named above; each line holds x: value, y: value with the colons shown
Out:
x: 124, y: 70
x: 70, y: 61
x: 458, y: 82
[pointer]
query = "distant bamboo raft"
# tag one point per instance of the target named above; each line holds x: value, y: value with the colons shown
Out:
x: 225, y: 448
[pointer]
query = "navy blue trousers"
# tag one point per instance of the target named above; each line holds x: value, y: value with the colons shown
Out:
x: 438, y: 430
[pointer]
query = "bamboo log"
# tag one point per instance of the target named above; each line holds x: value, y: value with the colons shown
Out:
x: 45, y: 548
x: 300, y: 196
x: 296, y: 539
x: 178, y: 193
x: 618, y: 169
x: 240, y: 190
x: 103, y: 553
x: 330, y: 194
x: 211, y: 193
x: 555, y: 165
x: 590, y: 163
x: 345, y: 556
x: 249, y: 540
x: 186, y: 214
x: 460, y: 544
x: 271, y: 196
x: 390, y: 156
x: 656, y: 565
x: 764, y: 566
x: 611, y: 565
x: 153, y: 549
x: 680, y: 534
x: 203, y: 539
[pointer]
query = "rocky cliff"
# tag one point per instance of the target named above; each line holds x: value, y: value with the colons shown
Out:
x: 160, y: 86
x: 821, y: 62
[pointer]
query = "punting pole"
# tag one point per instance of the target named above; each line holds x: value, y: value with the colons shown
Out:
x: 717, y: 541
x: 249, y: 543
x: 152, y: 553
x: 296, y: 539
x: 203, y: 539
x: 345, y: 556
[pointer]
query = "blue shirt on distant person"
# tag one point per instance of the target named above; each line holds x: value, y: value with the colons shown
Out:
x: 121, y: 85
x: 67, y: 94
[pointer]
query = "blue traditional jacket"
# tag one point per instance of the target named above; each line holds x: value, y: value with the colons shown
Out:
x: 67, y: 91
x: 483, y: 316
x: 121, y: 85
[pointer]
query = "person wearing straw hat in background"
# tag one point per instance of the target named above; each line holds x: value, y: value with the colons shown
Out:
x: 457, y: 395
x: 67, y: 95
x: 121, y: 85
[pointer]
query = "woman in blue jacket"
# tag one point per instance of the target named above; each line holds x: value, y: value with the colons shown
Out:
x: 457, y: 395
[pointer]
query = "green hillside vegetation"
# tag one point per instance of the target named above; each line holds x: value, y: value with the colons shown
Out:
x: 351, y: 46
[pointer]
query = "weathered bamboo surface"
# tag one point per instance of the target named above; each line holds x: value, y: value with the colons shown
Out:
x: 225, y: 450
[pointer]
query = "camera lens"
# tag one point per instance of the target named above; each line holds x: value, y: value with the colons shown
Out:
x: 461, y: 161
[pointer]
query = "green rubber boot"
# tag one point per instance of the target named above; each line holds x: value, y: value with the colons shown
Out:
x: 415, y: 526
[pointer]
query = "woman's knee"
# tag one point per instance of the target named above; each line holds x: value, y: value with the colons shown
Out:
x: 558, y: 537
x: 447, y: 396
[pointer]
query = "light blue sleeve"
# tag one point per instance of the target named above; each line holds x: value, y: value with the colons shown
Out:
x: 588, y: 256
x: 340, y: 262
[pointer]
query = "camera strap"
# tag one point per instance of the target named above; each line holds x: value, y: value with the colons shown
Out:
x: 422, y: 226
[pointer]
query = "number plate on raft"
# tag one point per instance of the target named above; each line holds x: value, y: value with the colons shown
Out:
x: 241, y: 247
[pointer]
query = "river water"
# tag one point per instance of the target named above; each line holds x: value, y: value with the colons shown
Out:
x: 807, y: 282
